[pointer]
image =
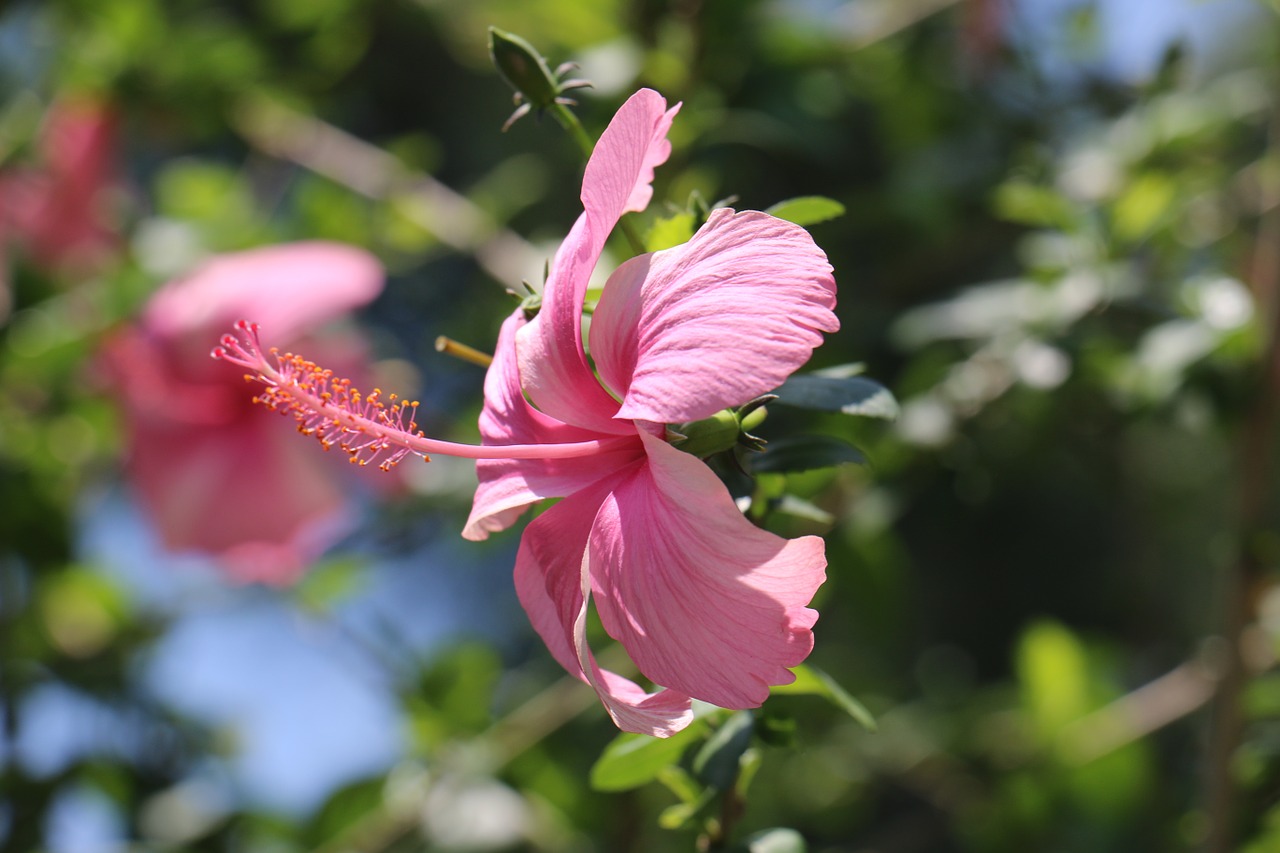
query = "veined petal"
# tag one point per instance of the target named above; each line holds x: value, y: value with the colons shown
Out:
x: 705, y: 603
x: 552, y: 362
x: 508, y: 487
x: 718, y: 321
x: 552, y: 584
x: 286, y: 289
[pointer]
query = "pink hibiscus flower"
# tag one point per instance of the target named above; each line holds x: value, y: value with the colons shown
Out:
x: 56, y: 211
x: 707, y: 605
x: 213, y: 475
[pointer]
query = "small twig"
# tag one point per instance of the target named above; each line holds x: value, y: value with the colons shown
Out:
x: 368, y: 170
x: 461, y: 351
x: 1172, y: 696
x: 878, y: 21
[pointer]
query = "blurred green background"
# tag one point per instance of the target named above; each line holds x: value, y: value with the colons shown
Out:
x: 1060, y: 250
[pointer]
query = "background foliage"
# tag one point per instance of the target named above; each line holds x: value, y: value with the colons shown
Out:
x: 1051, y: 585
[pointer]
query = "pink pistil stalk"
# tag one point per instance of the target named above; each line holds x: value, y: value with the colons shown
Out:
x: 367, y: 428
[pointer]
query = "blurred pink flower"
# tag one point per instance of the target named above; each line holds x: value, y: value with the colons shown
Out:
x: 706, y: 604
x: 213, y: 475
x: 55, y: 211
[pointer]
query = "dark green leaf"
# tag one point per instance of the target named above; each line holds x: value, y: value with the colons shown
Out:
x: 850, y: 395
x: 807, y: 210
x: 632, y: 760
x: 805, y: 453
x: 716, y: 764
x: 811, y: 681
x: 776, y: 729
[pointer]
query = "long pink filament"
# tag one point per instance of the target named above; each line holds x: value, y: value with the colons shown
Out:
x: 367, y: 428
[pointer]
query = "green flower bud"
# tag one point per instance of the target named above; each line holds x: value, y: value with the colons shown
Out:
x: 536, y: 86
x: 707, y: 437
x: 523, y: 68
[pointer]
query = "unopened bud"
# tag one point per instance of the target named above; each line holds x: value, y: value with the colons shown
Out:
x: 708, y: 436
x: 536, y: 86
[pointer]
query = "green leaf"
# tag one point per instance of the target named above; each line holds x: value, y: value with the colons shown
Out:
x: 849, y: 395
x: 773, y: 841
x: 1028, y: 204
x: 805, y: 453
x: 811, y: 681
x: 716, y: 764
x: 1146, y: 200
x: 681, y: 815
x: 1053, y: 668
x: 807, y: 210
x: 330, y: 582
x: 669, y: 231
x: 633, y: 760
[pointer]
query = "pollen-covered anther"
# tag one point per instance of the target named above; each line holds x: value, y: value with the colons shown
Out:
x: 329, y: 408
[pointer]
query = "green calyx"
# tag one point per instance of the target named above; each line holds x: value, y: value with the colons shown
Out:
x: 725, y: 430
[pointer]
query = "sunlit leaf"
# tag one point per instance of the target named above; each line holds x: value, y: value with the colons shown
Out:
x: 1053, y: 669
x: 669, y: 231
x: 807, y: 210
x: 681, y: 814
x: 1028, y: 204
x: 632, y: 760
x: 1146, y: 200
x: 811, y: 681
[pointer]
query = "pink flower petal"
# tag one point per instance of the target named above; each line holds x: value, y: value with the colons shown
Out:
x: 683, y: 333
x: 56, y: 209
x: 507, y: 487
x: 705, y: 603
x: 247, y: 488
x: 552, y: 363
x: 286, y: 289
x: 550, y: 579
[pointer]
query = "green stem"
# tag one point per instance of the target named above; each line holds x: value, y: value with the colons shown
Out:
x: 570, y: 123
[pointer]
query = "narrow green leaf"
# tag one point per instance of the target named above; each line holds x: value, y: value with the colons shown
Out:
x: 632, y: 760
x: 805, y: 453
x: 716, y: 764
x: 850, y: 395
x: 681, y: 783
x: 680, y: 815
x: 807, y: 210
x: 811, y: 681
